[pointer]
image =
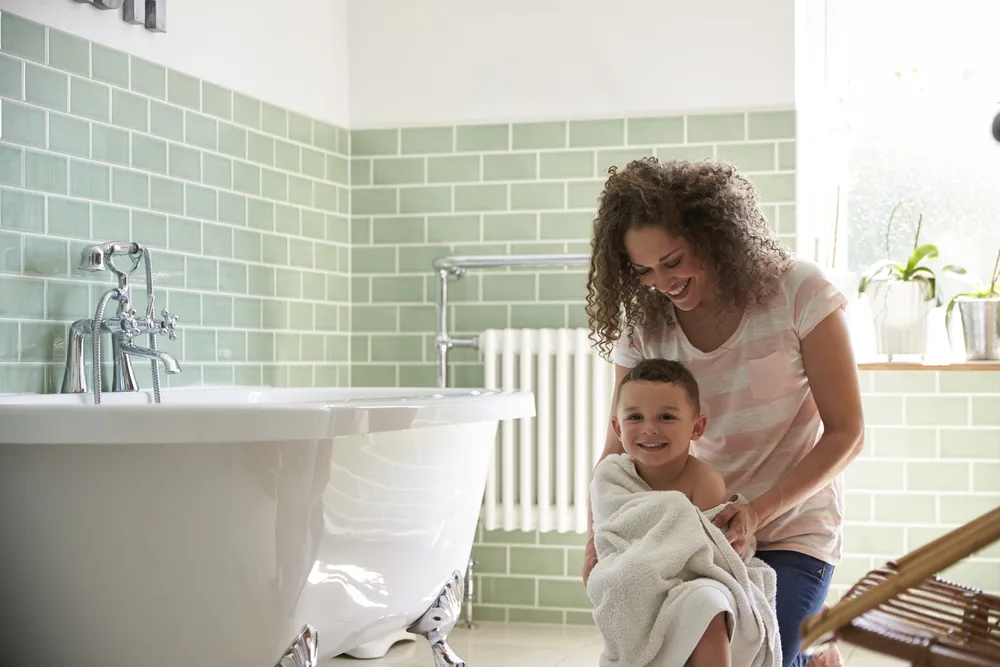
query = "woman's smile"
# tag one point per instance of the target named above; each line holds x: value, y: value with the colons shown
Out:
x: 678, y: 291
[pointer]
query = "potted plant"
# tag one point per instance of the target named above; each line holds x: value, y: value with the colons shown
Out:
x: 902, y: 295
x: 980, y: 309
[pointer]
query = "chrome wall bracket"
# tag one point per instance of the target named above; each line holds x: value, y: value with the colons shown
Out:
x: 152, y: 14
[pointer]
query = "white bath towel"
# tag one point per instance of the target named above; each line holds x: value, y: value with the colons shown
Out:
x: 664, y: 571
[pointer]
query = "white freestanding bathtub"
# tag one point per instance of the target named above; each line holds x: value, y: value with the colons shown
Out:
x: 232, y: 527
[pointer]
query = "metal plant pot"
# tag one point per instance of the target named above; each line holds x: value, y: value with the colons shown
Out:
x: 981, y: 328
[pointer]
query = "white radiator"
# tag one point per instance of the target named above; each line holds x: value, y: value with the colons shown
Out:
x: 540, y: 478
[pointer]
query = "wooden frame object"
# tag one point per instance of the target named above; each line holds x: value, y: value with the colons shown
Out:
x: 905, y: 611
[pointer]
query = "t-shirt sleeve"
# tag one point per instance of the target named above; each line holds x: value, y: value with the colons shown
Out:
x: 625, y: 353
x: 813, y: 297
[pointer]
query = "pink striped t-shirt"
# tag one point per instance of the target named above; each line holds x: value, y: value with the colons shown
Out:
x: 762, y: 419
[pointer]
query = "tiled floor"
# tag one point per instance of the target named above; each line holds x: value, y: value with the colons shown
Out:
x: 501, y: 645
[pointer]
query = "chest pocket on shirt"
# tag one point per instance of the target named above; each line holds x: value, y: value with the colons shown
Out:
x: 769, y: 377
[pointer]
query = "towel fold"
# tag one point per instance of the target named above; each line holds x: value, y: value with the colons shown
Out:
x: 664, y: 571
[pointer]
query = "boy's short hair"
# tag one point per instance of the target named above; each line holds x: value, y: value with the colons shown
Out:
x: 667, y: 371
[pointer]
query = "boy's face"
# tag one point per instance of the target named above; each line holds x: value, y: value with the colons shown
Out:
x: 656, y: 422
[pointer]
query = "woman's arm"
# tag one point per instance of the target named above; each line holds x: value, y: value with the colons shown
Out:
x: 612, y: 445
x: 832, y: 372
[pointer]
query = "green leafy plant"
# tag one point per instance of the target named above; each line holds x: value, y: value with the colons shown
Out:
x: 914, y: 269
x: 990, y: 291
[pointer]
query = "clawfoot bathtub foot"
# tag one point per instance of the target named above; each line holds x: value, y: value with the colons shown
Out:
x: 445, y: 656
x: 438, y: 621
x: 304, y: 650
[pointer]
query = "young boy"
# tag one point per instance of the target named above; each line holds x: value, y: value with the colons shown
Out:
x: 657, y: 416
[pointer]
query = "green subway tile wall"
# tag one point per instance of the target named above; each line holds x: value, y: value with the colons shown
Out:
x: 420, y: 193
x: 244, y: 205
x: 931, y: 462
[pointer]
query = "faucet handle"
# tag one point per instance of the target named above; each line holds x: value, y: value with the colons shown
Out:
x: 129, y: 325
x: 167, y: 325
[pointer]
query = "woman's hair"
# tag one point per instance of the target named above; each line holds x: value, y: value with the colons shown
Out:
x: 707, y: 203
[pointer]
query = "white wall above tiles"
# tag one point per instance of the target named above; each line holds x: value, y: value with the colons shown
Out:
x: 455, y: 61
x: 292, y: 54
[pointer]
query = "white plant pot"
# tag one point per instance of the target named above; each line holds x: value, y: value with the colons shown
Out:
x: 899, y: 312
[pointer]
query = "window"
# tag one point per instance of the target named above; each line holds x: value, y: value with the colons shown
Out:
x: 917, y: 87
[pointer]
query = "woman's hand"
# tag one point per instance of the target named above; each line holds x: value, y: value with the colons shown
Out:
x: 743, y: 521
x: 589, y: 559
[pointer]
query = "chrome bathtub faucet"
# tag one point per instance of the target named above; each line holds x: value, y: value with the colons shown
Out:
x: 123, y: 327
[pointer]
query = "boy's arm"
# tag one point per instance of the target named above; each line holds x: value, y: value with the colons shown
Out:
x: 710, y: 491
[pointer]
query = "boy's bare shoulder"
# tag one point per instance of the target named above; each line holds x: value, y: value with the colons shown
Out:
x: 709, y: 487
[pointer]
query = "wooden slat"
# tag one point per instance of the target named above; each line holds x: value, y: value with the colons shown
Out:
x: 903, y: 610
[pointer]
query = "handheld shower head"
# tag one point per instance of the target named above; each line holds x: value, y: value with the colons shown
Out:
x: 93, y: 259
x: 98, y: 257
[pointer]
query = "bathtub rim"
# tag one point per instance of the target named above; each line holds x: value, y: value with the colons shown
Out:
x: 285, y: 414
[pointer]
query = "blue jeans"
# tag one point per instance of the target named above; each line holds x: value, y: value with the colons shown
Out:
x: 803, y: 582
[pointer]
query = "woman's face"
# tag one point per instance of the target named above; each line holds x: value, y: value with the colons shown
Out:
x: 669, y: 265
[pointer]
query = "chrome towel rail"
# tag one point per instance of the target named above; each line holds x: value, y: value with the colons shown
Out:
x: 456, y: 266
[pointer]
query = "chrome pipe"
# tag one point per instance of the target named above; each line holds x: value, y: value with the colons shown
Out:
x: 469, y: 594
x: 441, y: 342
x: 454, y: 267
x: 456, y: 263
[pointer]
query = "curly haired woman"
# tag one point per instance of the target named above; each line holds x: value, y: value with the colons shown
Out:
x: 684, y: 267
